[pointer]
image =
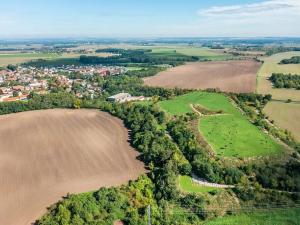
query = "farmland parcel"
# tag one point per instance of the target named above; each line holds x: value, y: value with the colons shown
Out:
x: 284, y: 115
x: 59, y: 152
x: 229, y: 76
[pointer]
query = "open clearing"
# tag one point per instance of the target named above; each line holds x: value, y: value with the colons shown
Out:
x: 285, y: 115
x: 283, y: 216
x: 230, y: 134
x: 229, y: 76
x: 58, y: 152
x: 187, y: 185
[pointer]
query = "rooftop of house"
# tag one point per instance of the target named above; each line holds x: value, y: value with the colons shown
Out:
x: 120, y: 95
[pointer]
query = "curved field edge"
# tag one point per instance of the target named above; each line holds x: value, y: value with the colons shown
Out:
x: 231, y: 134
x: 62, y: 151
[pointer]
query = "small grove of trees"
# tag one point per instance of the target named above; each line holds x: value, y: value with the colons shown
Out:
x: 11, y: 67
x: 281, y: 80
x: 36, y: 102
x: 293, y: 60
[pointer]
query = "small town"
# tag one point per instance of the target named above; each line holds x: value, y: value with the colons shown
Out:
x: 17, y: 83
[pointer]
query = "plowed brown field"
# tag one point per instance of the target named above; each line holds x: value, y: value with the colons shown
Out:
x: 230, y: 76
x: 46, y: 154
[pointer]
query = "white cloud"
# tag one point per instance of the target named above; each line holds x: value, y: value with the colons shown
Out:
x: 273, y: 6
x: 266, y: 18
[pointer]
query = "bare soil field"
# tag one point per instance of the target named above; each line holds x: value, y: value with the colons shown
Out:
x: 46, y: 154
x: 229, y: 76
x: 285, y: 115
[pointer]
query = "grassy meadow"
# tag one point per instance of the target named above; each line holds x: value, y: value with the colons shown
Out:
x: 230, y: 134
x: 201, y: 52
x: 16, y: 58
x: 264, y: 217
x: 186, y: 185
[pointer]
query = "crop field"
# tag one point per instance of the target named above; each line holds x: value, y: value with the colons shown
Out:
x: 59, y: 152
x: 264, y: 86
x: 263, y: 217
x: 16, y: 58
x: 186, y: 185
x: 205, y: 53
x: 229, y: 76
x: 230, y: 134
x: 286, y: 116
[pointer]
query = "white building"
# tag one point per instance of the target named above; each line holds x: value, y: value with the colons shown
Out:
x: 121, y: 97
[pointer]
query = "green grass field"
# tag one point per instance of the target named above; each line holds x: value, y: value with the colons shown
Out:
x: 205, y: 53
x: 16, y: 58
x: 30, y: 55
x: 274, y: 217
x: 186, y: 185
x: 230, y: 134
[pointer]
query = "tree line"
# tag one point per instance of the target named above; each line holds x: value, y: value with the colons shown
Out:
x: 141, y: 56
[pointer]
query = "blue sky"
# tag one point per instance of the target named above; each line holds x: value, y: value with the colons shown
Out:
x: 148, y: 18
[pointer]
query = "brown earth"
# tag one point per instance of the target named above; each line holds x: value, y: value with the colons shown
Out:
x: 46, y: 154
x: 285, y: 115
x: 230, y: 76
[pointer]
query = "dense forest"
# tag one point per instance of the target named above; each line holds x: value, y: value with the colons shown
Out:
x: 142, y: 56
x: 281, y: 80
x: 293, y: 60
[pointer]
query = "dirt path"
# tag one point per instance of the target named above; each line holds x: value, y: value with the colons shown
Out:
x: 46, y: 154
x: 205, y: 183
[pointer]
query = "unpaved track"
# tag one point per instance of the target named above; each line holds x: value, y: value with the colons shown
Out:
x: 46, y: 154
x: 230, y: 76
